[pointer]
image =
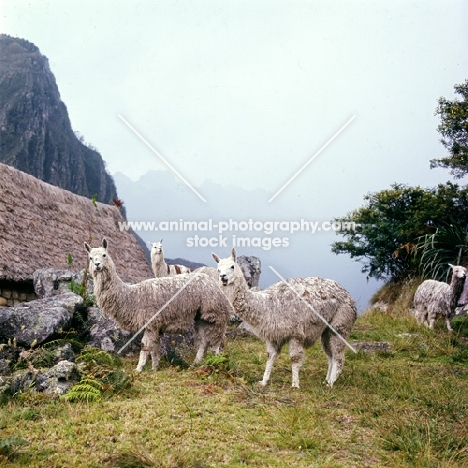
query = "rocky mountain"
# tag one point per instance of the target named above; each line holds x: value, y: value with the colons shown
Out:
x: 36, y: 136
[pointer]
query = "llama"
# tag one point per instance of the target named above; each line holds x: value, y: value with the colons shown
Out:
x: 284, y: 313
x: 212, y: 272
x: 160, y: 267
x: 160, y: 305
x: 434, y: 299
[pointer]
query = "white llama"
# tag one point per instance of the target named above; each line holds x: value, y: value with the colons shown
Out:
x: 434, y: 299
x: 283, y: 314
x: 160, y: 267
x: 160, y: 305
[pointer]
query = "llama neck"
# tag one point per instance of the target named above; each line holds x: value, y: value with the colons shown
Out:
x: 456, y: 290
x: 246, y: 303
x: 107, y: 287
x: 160, y: 268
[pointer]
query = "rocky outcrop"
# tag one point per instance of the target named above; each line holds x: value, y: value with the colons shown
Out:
x: 58, y: 379
x: 373, y: 346
x: 52, y: 282
x: 104, y: 333
x: 460, y: 312
x: 33, y: 323
x: 35, y: 131
x: 251, y: 268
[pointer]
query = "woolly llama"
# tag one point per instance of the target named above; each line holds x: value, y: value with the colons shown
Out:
x: 279, y: 316
x: 434, y: 299
x: 162, y: 305
x: 160, y: 267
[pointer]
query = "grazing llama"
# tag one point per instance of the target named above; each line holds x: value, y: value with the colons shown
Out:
x: 284, y: 313
x: 160, y: 305
x: 160, y: 267
x: 434, y: 299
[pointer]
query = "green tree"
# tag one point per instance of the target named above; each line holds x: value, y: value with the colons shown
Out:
x: 454, y: 131
x: 392, y: 221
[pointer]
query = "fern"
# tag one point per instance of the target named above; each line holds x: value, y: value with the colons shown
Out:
x: 219, y: 361
x: 95, y: 356
x: 75, y: 344
x: 104, y: 368
x: 87, y: 389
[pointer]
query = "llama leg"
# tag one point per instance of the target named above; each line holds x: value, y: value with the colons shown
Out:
x: 419, y: 316
x: 143, y: 353
x: 449, y: 326
x: 272, y: 351
x: 201, y: 340
x: 296, y: 353
x: 338, y: 349
x: 328, y: 351
x: 214, y: 336
x: 154, y: 346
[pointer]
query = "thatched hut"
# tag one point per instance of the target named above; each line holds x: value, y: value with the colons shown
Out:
x: 43, y: 226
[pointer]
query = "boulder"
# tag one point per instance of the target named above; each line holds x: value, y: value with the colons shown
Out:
x: 373, y: 346
x: 52, y: 282
x: 105, y: 334
x: 460, y: 312
x: 33, y: 323
x: 21, y: 381
x: 58, y: 379
x: 8, y: 356
x: 64, y: 353
x: 251, y: 268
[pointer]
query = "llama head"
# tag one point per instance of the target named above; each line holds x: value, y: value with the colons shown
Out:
x: 227, y: 268
x: 156, y: 247
x: 98, y: 257
x: 458, y: 271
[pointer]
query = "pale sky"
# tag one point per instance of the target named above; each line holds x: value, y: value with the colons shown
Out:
x: 248, y: 91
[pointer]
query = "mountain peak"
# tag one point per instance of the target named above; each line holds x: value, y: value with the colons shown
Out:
x: 36, y: 135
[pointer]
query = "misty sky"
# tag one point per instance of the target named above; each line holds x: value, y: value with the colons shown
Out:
x: 245, y: 92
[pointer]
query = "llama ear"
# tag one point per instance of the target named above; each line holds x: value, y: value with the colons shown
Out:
x: 88, y: 248
x: 233, y: 254
x: 160, y: 241
x: 215, y: 257
x: 104, y: 243
x: 450, y: 265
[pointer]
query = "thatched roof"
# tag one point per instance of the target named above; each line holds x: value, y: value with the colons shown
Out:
x: 41, y: 224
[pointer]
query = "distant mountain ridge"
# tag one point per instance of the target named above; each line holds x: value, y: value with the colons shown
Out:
x: 36, y: 135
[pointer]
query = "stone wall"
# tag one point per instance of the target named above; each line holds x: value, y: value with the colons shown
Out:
x: 12, y: 293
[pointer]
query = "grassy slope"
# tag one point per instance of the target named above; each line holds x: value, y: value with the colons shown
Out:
x: 407, y: 408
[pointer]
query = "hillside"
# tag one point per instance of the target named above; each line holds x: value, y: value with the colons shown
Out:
x: 36, y: 136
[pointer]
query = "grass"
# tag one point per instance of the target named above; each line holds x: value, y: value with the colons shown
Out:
x: 406, y: 408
